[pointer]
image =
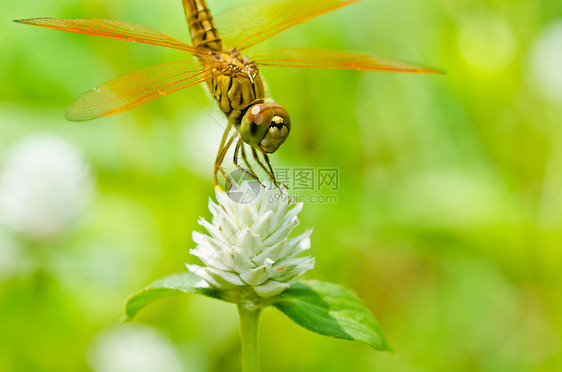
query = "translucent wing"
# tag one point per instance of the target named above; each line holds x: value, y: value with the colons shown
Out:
x: 257, y: 21
x: 333, y: 59
x: 139, y: 87
x: 113, y: 29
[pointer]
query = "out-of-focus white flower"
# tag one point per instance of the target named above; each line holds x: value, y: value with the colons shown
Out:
x: 133, y: 348
x: 248, y: 245
x: 545, y: 75
x: 44, y: 185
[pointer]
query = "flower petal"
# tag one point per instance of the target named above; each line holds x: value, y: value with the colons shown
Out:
x: 217, y: 232
x: 251, y: 242
x: 282, y: 233
x: 288, y: 271
x: 202, y: 273
x: 238, y: 260
x: 224, y: 277
x: 270, y: 288
x: 258, y: 275
x: 274, y: 252
x: 266, y: 224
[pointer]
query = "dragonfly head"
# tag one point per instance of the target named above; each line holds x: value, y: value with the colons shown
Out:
x: 266, y: 125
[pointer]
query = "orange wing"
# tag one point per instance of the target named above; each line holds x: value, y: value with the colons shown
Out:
x: 113, y: 29
x: 139, y: 87
x: 333, y: 59
x: 254, y: 22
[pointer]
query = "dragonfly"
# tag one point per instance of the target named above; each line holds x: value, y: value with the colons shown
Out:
x: 233, y: 78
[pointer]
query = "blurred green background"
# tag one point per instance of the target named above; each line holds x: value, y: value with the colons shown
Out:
x: 448, y: 220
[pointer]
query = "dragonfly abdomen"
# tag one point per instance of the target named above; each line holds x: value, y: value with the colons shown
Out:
x: 204, y: 34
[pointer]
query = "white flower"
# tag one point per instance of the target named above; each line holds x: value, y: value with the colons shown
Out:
x: 247, y: 246
x: 133, y: 348
x: 545, y: 75
x: 44, y: 185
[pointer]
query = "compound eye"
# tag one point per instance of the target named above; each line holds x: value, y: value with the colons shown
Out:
x: 255, y: 123
x: 278, y: 130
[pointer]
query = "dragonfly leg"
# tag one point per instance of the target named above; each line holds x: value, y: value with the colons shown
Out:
x: 221, y: 146
x: 220, y: 160
x: 245, y: 159
x: 251, y: 173
x: 223, y: 149
x: 272, y: 173
x: 226, y: 147
x: 269, y: 171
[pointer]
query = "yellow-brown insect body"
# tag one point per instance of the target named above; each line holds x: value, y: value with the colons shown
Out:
x: 204, y: 34
x: 240, y: 86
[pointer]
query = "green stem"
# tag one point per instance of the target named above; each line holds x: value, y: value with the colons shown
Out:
x: 249, y: 338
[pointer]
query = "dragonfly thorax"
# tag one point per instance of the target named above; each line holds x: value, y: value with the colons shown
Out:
x: 238, y: 86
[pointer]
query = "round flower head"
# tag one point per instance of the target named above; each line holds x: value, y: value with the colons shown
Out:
x: 247, y: 250
x: 44, y: 186
x: 133, y: 348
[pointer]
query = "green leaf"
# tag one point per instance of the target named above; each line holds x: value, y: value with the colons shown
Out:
x: 164, y: 288
x: 331, y: 310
